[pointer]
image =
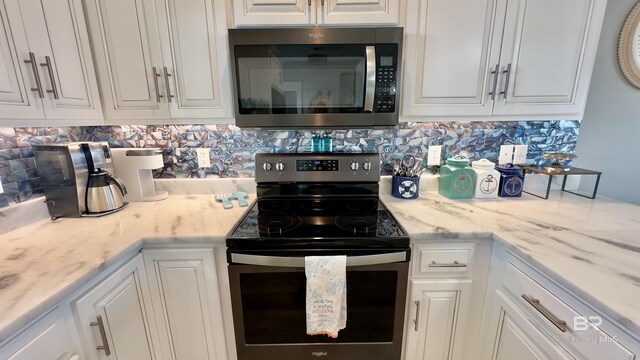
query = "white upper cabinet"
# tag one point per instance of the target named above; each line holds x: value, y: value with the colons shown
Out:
x: 449, y: 48
x: 315, y: 12
x: 46, y: 67
x: 127, y: 49
x: 521, y: 58
x: 548, y: 50
x: 161, y: 59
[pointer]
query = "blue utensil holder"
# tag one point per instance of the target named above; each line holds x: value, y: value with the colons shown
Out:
x: 405, y: 187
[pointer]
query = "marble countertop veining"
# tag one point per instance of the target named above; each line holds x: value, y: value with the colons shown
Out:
x: 590, y: 246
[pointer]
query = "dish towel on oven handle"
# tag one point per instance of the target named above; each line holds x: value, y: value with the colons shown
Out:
x: 326, y: 294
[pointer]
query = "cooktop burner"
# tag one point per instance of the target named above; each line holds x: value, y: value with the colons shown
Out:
x: 304, y: 221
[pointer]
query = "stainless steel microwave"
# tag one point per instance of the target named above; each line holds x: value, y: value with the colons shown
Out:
x: 316, y: 77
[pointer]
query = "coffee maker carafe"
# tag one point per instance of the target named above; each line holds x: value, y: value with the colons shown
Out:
x: 66, y: 177
x: 105, y: 193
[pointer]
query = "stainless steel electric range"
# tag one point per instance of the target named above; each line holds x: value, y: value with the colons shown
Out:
x: 317, y: 204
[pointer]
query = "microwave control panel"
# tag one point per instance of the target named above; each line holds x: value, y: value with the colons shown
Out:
x: 385, y: 99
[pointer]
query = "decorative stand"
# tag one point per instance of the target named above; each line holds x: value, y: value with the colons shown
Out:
x: 565, y: 173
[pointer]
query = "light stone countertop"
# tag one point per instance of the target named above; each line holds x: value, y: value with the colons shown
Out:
x: 590, y: 246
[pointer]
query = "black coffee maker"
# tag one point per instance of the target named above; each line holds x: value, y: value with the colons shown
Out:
x: 77, y: 181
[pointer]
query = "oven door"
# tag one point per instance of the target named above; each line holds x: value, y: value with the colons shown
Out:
x: 268, y: 299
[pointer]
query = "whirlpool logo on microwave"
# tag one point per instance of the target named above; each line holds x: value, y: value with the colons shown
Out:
x: 317, y: 35
x: 319, y: 353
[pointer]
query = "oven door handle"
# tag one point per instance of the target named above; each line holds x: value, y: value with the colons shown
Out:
x: 370, y: 87
x: 282, y: 261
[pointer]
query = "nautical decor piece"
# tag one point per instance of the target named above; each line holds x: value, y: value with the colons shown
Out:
x: 511, y: 180
x: 487, y: 179
x: 457, y: 178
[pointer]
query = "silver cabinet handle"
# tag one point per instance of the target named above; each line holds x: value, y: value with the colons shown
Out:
x: 560, y: 324
x: 52, y: 79
x: 416, y: 321
x: 156, y: 75
x: 453, y: 264
x: 36, y: 74
x: 283, y: 261
x: 103, y: 335
x: 494, y: 72
x: 370, y: 86
x: 506, y: 81
x: 166, y: 83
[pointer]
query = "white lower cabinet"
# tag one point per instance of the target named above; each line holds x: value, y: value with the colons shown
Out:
x: 529, y: 316
x: 517, y: 338
x: 443, y: 315
x: 186, y: 302
x: 440, y: 310
x: 47, y: 339
x: 114, y: 319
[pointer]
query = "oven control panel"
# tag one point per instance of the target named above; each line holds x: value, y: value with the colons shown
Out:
x: 314, y: 167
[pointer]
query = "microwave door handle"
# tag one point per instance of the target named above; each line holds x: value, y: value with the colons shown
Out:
x: 370, y: 86
x: 281, y: 261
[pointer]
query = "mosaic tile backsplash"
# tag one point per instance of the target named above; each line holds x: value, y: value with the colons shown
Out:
x: 232, y: 150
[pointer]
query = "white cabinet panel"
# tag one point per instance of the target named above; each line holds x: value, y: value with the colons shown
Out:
x: 441, y: 310
x: 545, y: 43
x: 544, y: 52
x: 47, y: 339
x: 195, y: 51
x: 17, y: 100
x: 126, y: 44
x: 248, y: 13
x: 121, y: 301
x: 450, y: 55
x: 162, y: 59
x: 186, y: 298
x: 274, y: 12
x: 518, y: 339
x: 56, y: 30
x: 55, y: 33
x: 340, y: 12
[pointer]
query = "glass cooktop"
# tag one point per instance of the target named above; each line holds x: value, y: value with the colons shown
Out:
x: 304, y: 222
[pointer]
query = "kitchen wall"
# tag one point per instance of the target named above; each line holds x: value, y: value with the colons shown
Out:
x: 611, y: 122
x: 232, y: 149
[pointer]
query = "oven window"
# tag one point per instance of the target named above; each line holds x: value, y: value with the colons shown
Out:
x: 273, y: 306
x: 300, y: 79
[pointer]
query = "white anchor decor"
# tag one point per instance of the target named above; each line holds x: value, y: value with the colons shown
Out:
x: 487, y: 179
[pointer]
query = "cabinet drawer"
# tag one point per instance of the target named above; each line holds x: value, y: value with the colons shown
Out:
x: 565, y: 324
x: 448, y: 259
x: 47, y: 339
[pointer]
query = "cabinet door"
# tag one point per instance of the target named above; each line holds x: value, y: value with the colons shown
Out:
x: 47, y: 339
x: 452, y: 48
x: 186, y: 299
x: 196, y: 58
x: 127, y: 49
x: 548, y: 51
x: 57, y: 31
x: 248, y: 13
x: 126, y: 328
x: 518, y: 339
x: 17, y: 78
x: 349, y: 12
x: 436, y: 320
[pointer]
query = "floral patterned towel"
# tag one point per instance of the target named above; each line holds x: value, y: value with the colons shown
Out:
x: 326, y: 294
